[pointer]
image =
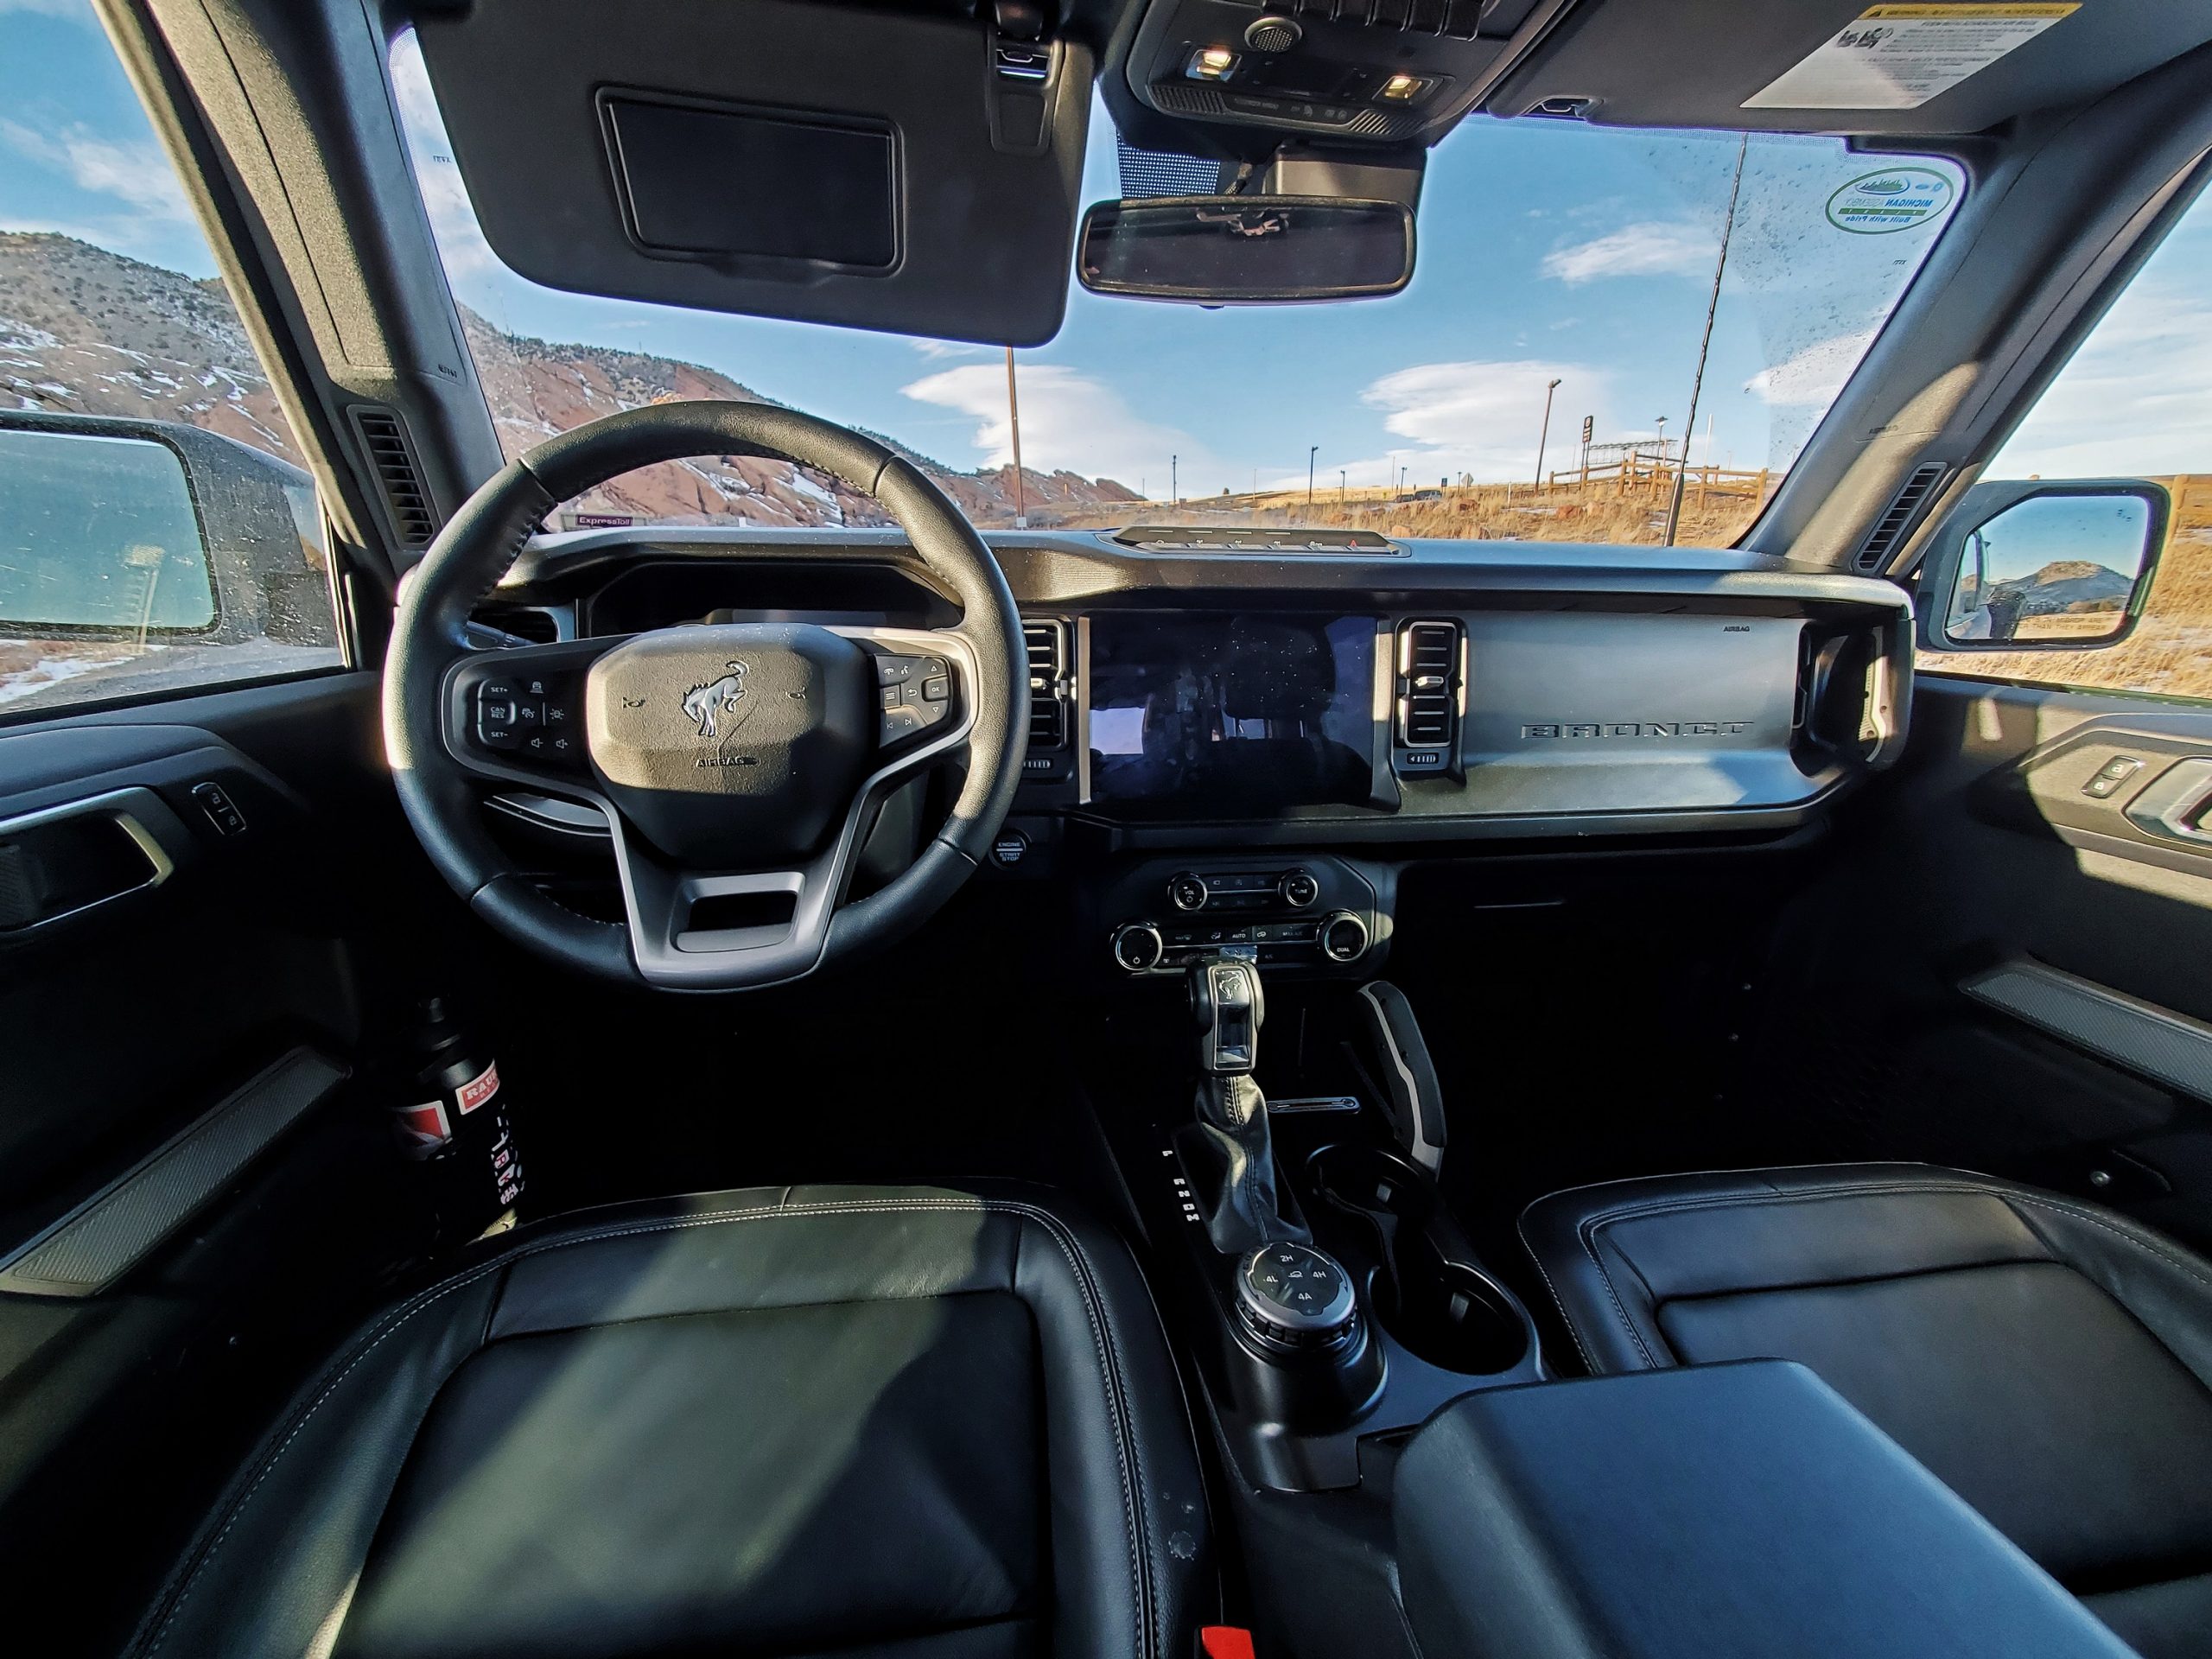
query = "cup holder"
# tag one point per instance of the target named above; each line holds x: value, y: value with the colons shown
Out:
x: 1371, y: 1181
x: 1445, y: 1312
x: 1454, y: 1318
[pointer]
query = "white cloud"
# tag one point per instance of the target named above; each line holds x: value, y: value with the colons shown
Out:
x: 1811, y: 378
x: 76, y: 11
x: 1483, y: 418
x: 1650, y: 249
x: 937, y: 350
x: 1069, y: 420
x: 453, y: 216
x: 2136, y: 400
x: 136, y: 171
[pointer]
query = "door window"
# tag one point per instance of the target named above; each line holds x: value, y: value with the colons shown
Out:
x: 2133, y: 407
x: 157, y: 531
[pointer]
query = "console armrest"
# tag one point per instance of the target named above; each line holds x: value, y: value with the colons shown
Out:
x: 1705, y: 1513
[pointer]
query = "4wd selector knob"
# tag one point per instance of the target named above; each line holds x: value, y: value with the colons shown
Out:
x: 1138, y: 947
x: 1343, y: 935
x: 1187, y: 891
x: 1292, y: 1295
x: 1298, y: 889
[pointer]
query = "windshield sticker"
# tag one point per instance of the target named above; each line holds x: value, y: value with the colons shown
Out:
x: 1896, y: 199
x: 1898, y: 57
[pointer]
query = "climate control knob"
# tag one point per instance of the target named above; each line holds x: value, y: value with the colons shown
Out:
x: 1187, y: 891
x: 1298, y: 889
x: 1343, y: 935
x: 1137, y: 947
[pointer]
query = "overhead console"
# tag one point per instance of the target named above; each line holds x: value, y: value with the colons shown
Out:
x: 1383, y: 72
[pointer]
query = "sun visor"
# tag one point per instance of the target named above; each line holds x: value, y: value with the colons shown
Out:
x: 1852, y: 67
x: 862, y: 168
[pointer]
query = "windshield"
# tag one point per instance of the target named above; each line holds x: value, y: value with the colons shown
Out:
x: 1536, y: 380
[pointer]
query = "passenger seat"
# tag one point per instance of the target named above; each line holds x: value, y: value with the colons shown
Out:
x: 2049, y: 1359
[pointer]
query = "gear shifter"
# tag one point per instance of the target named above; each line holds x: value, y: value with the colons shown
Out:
x: 1235, y: 1176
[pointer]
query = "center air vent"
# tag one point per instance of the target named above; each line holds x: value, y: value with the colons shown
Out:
x: 1427, y: 695
x: 385, y: 444
x: 1047, y: 643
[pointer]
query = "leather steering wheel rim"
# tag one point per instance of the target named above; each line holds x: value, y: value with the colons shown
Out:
x: 435, y: 782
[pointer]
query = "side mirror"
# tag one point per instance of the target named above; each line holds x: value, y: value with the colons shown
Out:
x: 2036, y: 566
x: 100, y: 536
x: 115, y: 530
x: 1246, y: 249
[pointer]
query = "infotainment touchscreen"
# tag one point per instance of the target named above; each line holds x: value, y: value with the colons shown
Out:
x: 1229, y: 715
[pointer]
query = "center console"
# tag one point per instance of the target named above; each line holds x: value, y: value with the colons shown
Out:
x: 1331, y: 1301
x: 1312, y: 914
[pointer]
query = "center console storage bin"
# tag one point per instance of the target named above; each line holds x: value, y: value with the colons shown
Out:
x: 1738, y: 1511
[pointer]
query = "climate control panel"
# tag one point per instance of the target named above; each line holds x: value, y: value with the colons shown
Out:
x: 1320, y: 914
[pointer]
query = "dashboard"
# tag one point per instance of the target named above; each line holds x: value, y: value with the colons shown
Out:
x: 1271, y: 711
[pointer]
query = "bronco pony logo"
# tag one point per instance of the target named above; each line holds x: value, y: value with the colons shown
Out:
x: 707, y: 704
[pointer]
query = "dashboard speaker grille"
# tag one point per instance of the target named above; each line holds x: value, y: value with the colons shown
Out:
x: 384, y: 442
x: 1428, y: 668
x: 1047, y: 643
x: 1882, y: 541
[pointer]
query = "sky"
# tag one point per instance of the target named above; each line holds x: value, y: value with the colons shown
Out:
x: 1547, y: 250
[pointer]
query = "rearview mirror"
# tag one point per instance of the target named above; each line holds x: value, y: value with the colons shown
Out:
x: 2046, y: 567
x: 1246, y: 249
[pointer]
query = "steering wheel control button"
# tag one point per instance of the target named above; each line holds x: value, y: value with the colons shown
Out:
x: 1292, y: 1295
x: 1137, y: 947
x: 914, y: 693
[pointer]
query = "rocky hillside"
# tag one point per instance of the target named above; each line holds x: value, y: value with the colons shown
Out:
x: 88, y: 331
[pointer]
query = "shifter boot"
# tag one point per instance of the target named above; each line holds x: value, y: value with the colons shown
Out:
x: 1233, y: 1173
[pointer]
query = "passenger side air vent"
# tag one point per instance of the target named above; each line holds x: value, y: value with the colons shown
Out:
x: 1884, y: 540
x: 1428, y: 682
x: 1047, y: 643
x: 386, y: 443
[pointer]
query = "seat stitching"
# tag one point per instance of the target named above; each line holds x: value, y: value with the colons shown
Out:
x: 1573, y: 1335
x: 2121, y: 1234
x: 1590, y: 1224
x: 1062, y: 1236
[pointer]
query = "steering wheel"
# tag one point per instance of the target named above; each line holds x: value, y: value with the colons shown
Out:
x: 737, y: 766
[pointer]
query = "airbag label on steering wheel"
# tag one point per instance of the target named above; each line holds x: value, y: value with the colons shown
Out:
x: 1898, y: 57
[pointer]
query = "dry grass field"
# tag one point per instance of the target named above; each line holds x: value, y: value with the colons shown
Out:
x: 1567, y: 512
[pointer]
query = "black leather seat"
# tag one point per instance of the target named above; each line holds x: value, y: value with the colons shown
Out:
x: 2050, y: 1360
x: 820, y: 1421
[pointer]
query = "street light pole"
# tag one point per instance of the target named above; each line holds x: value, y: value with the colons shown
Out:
x: 1544, y: 432
x: 1312, y: 451
x: 1344, y: 484
x: 1014, y: 419
x: 1174, y: 479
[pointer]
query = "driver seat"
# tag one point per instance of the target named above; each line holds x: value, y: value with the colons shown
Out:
x: 905, y: 1423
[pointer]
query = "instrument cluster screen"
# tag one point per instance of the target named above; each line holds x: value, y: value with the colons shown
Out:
x: 1231, y: 714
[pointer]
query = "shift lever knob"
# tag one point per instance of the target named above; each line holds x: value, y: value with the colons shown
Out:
x: 1226, y: 1001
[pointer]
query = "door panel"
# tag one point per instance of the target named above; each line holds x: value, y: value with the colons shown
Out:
x: 2002, y: 968
x: 198, y: 1191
